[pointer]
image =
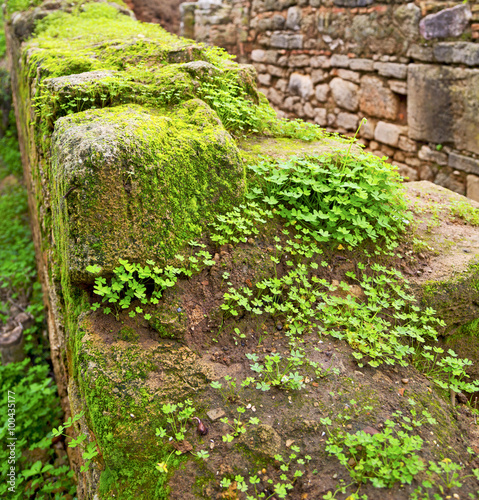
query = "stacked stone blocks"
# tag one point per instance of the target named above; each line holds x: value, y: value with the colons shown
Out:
x: 410, y: 68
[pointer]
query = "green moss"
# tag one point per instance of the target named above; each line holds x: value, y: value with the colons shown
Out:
x: 454, y: 299
x: 142, y: 184
x: 128, y: 334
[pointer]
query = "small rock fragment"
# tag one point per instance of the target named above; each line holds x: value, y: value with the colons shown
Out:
x: 370, y: 430
x: 215, y: 414
x: 405, y: 380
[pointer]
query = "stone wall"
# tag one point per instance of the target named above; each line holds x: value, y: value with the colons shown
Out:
x: 410, y: 68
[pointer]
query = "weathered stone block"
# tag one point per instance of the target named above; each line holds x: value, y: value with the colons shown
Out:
x: 472, y: 187
x: 446, y: 23
x: 377, y: 100
x: 320, y: 117
x: 286, y: 41
x: 457, y: 52
x: 322, y: 92
x: 309, y: 110
x: 407, y: 172
x: 367, y: 129
x: 300, y: 85
x: 352, y: 3
x: 398, y: 87
x: 423, y: 54
x: 348, y: 121
x: 443, y: 105
x: 340, y: 61
x: 407, y: 18
x: 299, y: 61
x: 405, y: 144
x: 387, y: 133
x: 464, y: 163
x: 318, y: 75
x: 361, y: 64
x: 394, y: 70
x: 128, y: 199
x: 278, y: 22
x: 282, y: 85
x: 293, y: 19
x: 264, y: 79
x: 346, y: 74
x: 275, y: 71
x: 275, y: 97
x: 428, y: 154
x: 320, y: 62
x: 446, y: 179
x: 258, y: 55
x: 345, y: 93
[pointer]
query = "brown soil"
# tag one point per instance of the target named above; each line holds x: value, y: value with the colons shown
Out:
x: 289, y: 417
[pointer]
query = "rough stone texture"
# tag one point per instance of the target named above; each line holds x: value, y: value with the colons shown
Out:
x: 406, y: 171
x: 377, y: 100
x: 464, y: 163
x: 346, y: 74
x: 300, y: 85
x: 339, y: 61
x: 320, y: 117
x: 393, y: 70
x: 345, y: 93
x: 428, y: 154
x: 387, y: 133
x: 407, y: 19
x: 398, y: 87
x: 443, y: 105
x: 457, y: 52
x: 361, y: 64
x: 293, y: 18
x: 322, y: 92
x: 286, y: 41
x: 348, y: 121
x: 445, y: 179
x: 405, y: 144
x: 472, y: 187
x: 102, y: 226
x: 446, y: 23
x: 420, y: 53
x: 372, y: 44
x: 367, y: 129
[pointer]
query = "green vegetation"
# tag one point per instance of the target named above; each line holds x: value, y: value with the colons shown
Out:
x: 290, y: 473
x: 348, y: 199
x: 91, y: 450
x: 40, y: 473
x: 170, y: 107
x: 389, y: 457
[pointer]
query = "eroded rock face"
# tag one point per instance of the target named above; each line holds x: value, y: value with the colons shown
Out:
x: 446, y: 23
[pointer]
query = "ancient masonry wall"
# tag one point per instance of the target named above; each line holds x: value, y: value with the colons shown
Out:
x: 410, y: 68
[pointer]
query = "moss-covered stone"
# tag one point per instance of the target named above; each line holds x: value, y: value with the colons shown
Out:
x: 137, y: 184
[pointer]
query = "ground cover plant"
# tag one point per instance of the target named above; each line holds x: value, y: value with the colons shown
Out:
x: 372, y: 308
x: 40, y: 473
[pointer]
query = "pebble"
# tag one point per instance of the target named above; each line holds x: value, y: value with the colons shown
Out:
x: 405, y: 381
x: 215, y: 414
